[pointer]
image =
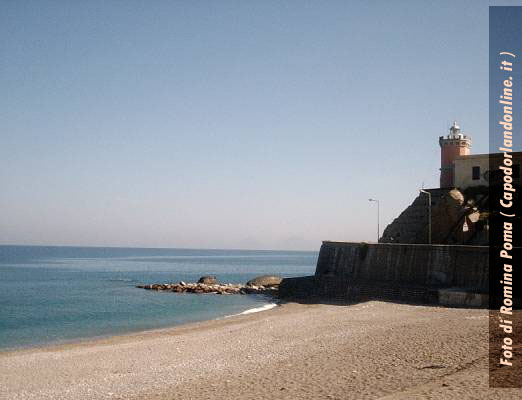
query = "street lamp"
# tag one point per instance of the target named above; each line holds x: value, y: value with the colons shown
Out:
x: 429, y: 213
x: 378, y: 230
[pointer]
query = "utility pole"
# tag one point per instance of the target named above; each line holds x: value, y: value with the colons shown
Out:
x: 378, y: 211
x: 429, y: 213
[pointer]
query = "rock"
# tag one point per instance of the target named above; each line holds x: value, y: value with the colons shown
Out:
x: 449, y: 221
x: 208, y: 280
x: 269, y: 287
x: 457, y: 198
x: 474, y: 216
x: 265, y: 280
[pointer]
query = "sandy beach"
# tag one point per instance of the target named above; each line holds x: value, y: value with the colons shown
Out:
x: 372, y: 350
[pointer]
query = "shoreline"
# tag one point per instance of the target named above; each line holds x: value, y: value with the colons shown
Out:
x: 362, y: 351
x: 100, y: 338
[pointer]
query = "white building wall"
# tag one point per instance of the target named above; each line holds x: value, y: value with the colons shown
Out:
x: 464, y: 170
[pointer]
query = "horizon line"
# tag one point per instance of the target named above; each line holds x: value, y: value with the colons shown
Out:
x: 145, y: 247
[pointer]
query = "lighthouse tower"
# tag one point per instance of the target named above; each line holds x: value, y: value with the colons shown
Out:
x: 454, y: 145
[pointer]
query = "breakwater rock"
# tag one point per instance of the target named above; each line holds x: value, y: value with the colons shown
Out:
x: 201, y: 288
x: 265, y: 280
x: 208, y: 280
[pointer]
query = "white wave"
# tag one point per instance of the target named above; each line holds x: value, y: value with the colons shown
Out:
x: 255, y: 310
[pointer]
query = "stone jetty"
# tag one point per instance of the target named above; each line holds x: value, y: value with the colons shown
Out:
x: 214, y: 288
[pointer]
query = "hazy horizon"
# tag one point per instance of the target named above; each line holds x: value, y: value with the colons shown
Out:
x: 229, y: 125
x: 154, y: 248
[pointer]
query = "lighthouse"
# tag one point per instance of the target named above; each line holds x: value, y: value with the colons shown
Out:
x: 454, y: 145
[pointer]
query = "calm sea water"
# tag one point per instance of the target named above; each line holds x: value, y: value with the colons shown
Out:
x: 59, y: 294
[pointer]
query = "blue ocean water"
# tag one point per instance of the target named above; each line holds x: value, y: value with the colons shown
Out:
x: 59, y: 294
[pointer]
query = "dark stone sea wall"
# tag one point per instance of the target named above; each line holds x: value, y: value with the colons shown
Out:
x: 407, y: 264
x: 311, y: 289
x: 404, y: 272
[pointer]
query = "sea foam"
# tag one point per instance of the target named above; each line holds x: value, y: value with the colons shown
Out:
x: 255, y: 310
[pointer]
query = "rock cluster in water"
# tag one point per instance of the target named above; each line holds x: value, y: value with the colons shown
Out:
x: 265, y: 280
x: 213, y: 287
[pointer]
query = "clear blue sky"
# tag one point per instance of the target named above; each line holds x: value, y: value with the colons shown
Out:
x: 229, y: 124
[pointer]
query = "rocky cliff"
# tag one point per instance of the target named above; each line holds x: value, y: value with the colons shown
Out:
x: 453, y: 220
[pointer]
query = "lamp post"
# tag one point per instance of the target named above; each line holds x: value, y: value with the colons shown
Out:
x: 429, y: 213
x: 378, y: 230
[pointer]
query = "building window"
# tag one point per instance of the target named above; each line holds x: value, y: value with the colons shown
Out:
x: 516, y: 171
x: 475, y: 173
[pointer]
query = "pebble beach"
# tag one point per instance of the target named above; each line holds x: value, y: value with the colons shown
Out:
x: 373, y: 350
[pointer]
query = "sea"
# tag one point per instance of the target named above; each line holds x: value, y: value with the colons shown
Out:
x: 55, y: 295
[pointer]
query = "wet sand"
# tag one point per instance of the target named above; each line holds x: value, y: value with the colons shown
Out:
x: 373, y: 350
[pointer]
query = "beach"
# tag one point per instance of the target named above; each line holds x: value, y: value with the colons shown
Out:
x: 295, y: 351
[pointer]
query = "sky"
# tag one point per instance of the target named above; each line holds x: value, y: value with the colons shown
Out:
x: 229, y: 124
